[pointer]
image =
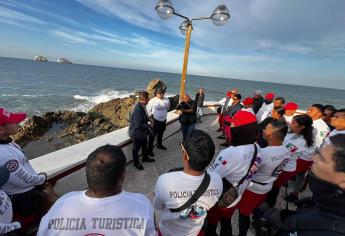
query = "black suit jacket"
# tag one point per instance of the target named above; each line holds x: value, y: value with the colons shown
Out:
x: 138, y: 123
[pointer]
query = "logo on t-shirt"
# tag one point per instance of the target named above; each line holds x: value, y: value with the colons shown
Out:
x: 12, y: 165
x: 193, y: 212
x: 254, y: 168
x: 323, y: 134
x: 224, y: 162
x: 292, y: 148
x: 277, y: 171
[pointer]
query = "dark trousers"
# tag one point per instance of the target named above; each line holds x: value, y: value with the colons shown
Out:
x: 137, y: 145
x: 28, y: 202
x: 187, y: 130
x: 157, y: 130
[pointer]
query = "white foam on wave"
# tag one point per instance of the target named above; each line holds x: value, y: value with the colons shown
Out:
x: 104, y: 96
x: 26, y: 95
x: 88, y: 102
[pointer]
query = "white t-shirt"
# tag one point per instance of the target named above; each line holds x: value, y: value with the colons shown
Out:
x: 172, y: 191
x: 274, y: 159
x: 75, y: 213
x: 249, y: 110
x: 225, y: 105
x: 6, y: 214
x: 321, y: 130
x: 332, y: 133
x: 22, y: 176
x: 233, y: 163
x: 297, y: 147
x: 222, y: 101
x: 264, y: 112
x: 288, y: 119
x: 158, y: 108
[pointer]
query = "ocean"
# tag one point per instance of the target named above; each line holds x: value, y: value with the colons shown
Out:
x: 40, y: 87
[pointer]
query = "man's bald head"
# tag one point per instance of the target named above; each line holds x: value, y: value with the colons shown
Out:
x: 105, y: 167
x: 186, y: 98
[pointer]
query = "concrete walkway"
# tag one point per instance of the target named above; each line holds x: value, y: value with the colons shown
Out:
x: 144, y: 181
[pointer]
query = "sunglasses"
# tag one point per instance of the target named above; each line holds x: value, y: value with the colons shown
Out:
x: 184, y: 150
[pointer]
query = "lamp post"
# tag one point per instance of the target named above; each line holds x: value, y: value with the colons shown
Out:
x: 165, y: 10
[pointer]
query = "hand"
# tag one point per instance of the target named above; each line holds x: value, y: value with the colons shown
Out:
x: 16, y: 225
x: 45, y: 175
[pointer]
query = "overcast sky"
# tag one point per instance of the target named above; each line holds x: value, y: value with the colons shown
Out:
x: 284, y: 41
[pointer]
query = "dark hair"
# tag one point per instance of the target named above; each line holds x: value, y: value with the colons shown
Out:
x: 200, y: 149
x: 238, y: 96
x: 143, y: 95
x: 331, y: 108
x: 308, y: 130
x: 338, y: 156
x: 244, y: 134
x: 280, y: 110
x: 320, y: 107
x: 342, y: 110
x: 280, y: 128
x: 103, y: 172
x: 281, y: 99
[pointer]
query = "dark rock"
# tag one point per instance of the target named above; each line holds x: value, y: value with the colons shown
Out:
x: 116, y: 111
x: 173, y: 102
x: 151, y: 87
x: 85, y: 120
x: 55, y: 130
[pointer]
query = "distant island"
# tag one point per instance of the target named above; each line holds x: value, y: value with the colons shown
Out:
x: 40, y: 59
x: 63, y: 61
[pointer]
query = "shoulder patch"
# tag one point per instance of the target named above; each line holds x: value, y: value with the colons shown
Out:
x: 292, y: 148
x: 323, y: 134
x: 12, y: 165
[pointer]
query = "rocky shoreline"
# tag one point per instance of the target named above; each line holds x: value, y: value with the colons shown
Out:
x: 56, y: 130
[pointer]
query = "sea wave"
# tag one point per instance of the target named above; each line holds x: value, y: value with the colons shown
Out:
x: 88, y: 102
x: 27, y: 95
x: 104, y: 96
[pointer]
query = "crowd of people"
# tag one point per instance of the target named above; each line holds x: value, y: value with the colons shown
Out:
x: 268, y: 144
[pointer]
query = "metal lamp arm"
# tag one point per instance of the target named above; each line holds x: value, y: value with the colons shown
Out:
x: 201, y: 18
x: 177, y: 14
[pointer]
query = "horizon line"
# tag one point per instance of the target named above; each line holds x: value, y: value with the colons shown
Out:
x: 177, y: 73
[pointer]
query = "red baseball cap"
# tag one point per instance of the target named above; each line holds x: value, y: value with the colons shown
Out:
x: 228, y: 93
x: 243, y: 118
x: 291, y: 106
x: 269, y: 96
x: 7, y: 117
x: 248, y: 101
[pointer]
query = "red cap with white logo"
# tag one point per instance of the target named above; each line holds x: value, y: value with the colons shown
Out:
x: 243, y: 118
x: 7, y: 117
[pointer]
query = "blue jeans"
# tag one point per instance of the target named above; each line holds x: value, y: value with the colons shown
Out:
x: 187, y: 130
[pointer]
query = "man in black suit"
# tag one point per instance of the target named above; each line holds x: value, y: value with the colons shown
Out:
x: 139, y: 129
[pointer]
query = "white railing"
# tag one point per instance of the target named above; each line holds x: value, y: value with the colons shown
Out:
x: 65, y: 167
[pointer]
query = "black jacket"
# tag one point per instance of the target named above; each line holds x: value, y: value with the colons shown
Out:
x: 258, y: 104
x: 312, y: 222
x: 138, y: 123
x: 231, y: 111
x: 187, y: 118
